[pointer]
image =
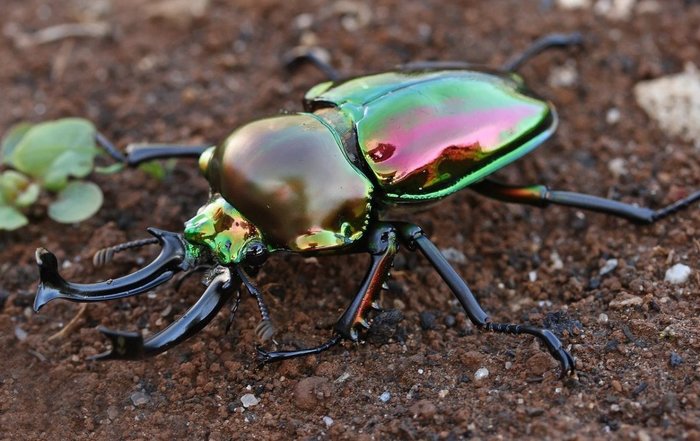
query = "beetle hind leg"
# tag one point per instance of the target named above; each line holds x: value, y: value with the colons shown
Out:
x: 415, y: 238
x: 541, y: 196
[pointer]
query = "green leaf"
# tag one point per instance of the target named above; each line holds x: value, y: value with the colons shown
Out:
x: 41, y: 150
x: 70, y: 163
x: 110, y: 169
x: 11, y: 218
x: 153, y: 169
x: 12, y: 185
x: 28, y: 196
x: 11, y: 139
x: 77, y: 202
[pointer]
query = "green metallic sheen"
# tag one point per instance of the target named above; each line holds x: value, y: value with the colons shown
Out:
x: 428, y: 134
x: 222, y: 229
x: 290, y: 176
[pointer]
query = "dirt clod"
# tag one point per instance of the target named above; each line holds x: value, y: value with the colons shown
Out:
x: 310, y: 391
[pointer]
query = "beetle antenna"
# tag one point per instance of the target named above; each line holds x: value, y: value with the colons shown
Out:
x: 265, y: 329
x: 105, y: 255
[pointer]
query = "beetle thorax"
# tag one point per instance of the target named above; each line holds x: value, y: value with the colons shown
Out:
x: 290, y: 176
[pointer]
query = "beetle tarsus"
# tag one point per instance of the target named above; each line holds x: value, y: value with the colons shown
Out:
x: 264, y: 356
x: 554, y: 346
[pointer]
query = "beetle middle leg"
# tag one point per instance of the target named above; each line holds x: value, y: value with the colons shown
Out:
x: 414, y: 237
x: 382, y: 245
x: 541, y: 196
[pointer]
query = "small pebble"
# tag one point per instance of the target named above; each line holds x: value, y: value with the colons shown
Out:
x: 20, y: 333
x: 557, y: 263
x: 140, y: 398
x: 328, y: 421
x: 481, y: 373
x: 677, y: 274
x: 609, y: 267
x: 249, y: 400
x: 612, y: 116
x: 532, y: 276
x: 603, y: 318
x: 386, y: 396
x: 427, y: 320
x: 450, y: 320
x: 423, y: 409
x: 443, y: 393
x: 675, y: 360
x: 112, y: 412
x: 453, y: 255
x: 618, y: 167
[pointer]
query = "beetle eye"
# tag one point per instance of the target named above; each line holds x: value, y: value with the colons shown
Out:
x: 255, y: 254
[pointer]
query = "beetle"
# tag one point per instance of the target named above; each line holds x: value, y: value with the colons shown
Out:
x: 323, y: 182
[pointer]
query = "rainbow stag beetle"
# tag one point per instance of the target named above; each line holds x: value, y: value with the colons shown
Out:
x: 320, y: 182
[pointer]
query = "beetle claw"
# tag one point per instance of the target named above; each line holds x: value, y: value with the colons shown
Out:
x: 263, y: 357
x: 566, y: 360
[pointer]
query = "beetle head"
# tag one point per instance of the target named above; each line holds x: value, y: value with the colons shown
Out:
x: 220, y: 229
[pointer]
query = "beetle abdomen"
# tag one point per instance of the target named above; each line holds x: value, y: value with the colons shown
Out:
x: 425, y: 135
x: 290, y: 177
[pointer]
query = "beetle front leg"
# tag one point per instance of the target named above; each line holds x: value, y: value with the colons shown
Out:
x: 382, y: 244
x: 414, y: 237
x: 139, y: 153
x: 541, y: 196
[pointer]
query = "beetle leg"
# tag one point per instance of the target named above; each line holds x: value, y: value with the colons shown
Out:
x: 139, y: 153
x: 541, y: 196
x: 382, y: 244
x: 297, y: 56
x: 540, y: 45
x: 131, y: 346
x: 414, y: 237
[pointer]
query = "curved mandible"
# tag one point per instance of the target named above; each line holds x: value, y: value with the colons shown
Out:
x: 131, y: 346
x: 170, y: 261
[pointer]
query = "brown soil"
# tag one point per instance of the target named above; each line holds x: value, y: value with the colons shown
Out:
x: 159, y: 80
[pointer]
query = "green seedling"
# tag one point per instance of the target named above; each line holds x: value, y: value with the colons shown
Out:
x: 54, y: 156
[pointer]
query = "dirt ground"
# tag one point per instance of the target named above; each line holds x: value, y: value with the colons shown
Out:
x: 167, y: 75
